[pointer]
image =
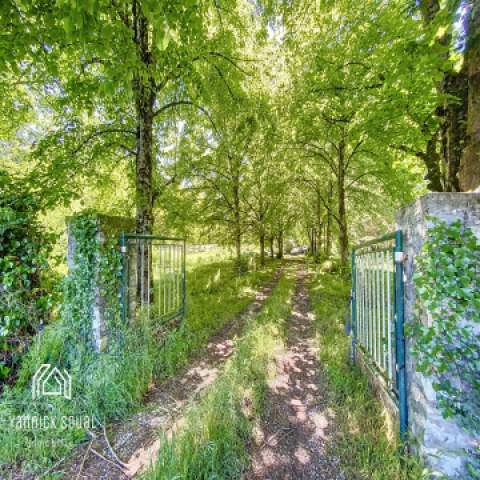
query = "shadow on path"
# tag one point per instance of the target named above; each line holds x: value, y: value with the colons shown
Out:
x: 136, y: 440
x: 290, y: 443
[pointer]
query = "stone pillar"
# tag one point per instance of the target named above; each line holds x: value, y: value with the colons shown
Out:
x: 108, y: 227
x: 441, y: 442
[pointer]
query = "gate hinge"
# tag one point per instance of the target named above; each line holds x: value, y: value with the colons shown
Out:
x: 400, y: 257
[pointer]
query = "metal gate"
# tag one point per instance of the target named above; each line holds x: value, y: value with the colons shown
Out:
x: 153, y: 278
x: 378, y: 313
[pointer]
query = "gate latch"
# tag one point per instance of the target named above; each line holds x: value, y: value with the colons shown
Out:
x: 400, y: 257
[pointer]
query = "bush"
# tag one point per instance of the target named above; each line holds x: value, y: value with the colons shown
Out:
x: 25, y: 302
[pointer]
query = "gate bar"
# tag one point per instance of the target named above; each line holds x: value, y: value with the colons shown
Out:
x: 399, y: 335
x: 354, y: 307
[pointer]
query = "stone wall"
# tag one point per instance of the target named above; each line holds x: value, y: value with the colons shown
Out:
x: 107, y: 227
x: 440, y: 442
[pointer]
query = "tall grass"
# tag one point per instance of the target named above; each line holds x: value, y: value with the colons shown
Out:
x: 112, y: 386
x: 362, y: 444
x: 212, y: 444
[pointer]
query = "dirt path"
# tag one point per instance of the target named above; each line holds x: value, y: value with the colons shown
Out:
x: 290, y: 443
x: 135, y: 442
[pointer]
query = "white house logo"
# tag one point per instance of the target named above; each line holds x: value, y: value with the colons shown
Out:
x: 49, y: 381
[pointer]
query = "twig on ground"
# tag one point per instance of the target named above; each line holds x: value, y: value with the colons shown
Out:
x: 285, y: 430
x: 116, y: 465
x: 80, y: 470
x: 114, y: 455
x: 52, y: 468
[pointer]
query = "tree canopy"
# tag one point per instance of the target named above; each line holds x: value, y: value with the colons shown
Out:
x: 241, y: 121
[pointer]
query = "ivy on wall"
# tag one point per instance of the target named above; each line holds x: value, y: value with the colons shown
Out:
x: 447, y: 280
x: 95, y: 263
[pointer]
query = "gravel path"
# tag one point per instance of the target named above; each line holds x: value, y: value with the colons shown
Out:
x: 135, y: 442
x: 290, y: 443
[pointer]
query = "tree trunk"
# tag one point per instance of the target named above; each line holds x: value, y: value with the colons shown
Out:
x: 432, y: 162
x: 319, y: 239
x: 470, y: 162
x: 144, y: 90
x: 342, y: 214
x: 455, y: 116
x: 310, y: 240
x: 280, y: 244
x: 443, y: 168
x: 328, y: 227
x: 262, y: 248
x: 144, y: 93
x: 237, y: 226
x: 272, y: 253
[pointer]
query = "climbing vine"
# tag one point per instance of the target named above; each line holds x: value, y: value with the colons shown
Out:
x: 79, y: 293
x: 94, y: 261
x: 447, y: 279
x: 25, y: 297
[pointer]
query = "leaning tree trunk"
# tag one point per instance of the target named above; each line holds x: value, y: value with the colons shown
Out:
x: 470, y: 163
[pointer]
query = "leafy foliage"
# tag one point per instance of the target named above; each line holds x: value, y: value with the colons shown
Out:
x: 25, y: 302
x: 448, y: 285
x: 113, y: 383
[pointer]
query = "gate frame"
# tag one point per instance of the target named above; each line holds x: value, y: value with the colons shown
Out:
x: 124, y: 237
x: 399, y: 320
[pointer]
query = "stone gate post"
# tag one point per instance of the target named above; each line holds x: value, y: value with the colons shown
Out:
x: 441, y: 442
x: 107, y: 227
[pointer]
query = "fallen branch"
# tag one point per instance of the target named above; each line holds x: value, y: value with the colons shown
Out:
x: 116, y: 465
x: 84, y: 459
x: 114, y: 455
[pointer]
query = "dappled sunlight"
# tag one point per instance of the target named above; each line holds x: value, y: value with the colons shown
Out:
x: 302, y: 456
x: 362, y: 444
x: 213, y: 431
x: 200, y: 377
x: 291, y: 441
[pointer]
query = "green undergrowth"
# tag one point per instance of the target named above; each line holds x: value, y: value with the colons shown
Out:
x: 362, y: 444
x: 112, y: 385
x: 215, y: 294
x: 212, y: 444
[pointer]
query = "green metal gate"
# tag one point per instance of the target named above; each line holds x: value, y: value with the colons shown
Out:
x: 378, y: 313
x: 153, y: 278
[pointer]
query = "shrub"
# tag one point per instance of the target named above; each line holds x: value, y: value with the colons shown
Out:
x: 25, y: 303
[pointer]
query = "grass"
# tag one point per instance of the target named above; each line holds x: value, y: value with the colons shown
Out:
x: 362, y: 446
x: 212, y: 444
x: 109, y: 387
